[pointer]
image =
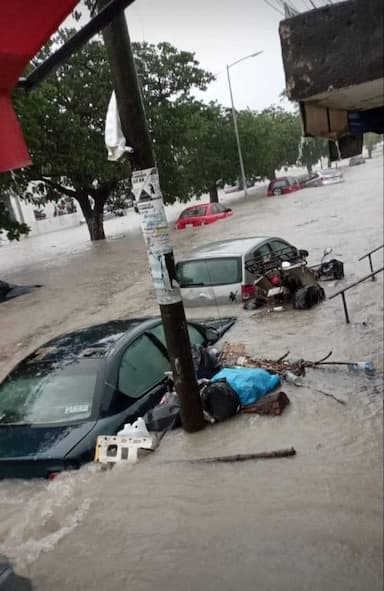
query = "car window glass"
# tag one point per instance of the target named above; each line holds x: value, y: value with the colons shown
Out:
x: 262, y: 252
x: 194, y: 212
x: 196, y: 337
x: 142, y: 366
x: 261, y: 255
x: 284, y: 250
x: 279, y: 184
x: 38, y: 393
x: 217, y: 208
x: 206, y: 272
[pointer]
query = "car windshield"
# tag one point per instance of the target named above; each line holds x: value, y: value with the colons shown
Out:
x: 50, y: 392
x: 206, y: 272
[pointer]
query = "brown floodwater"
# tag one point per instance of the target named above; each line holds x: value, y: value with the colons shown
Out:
x: 313, y: 521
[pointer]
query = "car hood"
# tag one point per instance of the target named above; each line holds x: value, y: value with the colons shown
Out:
x: 27, y: 442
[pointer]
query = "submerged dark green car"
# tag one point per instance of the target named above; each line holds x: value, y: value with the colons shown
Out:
x: 86, y: 383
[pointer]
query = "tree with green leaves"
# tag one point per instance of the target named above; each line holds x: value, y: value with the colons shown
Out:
x: 269, y: 140
x: 370, y: 141
x: 176, y: 120
x: 63, y: 122
x: 194, y: 143
x: 8, y: 223
x: 211, y: 155
x: 312, y: 149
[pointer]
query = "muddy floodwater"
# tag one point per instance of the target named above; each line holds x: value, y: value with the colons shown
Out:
x: 311, y: 522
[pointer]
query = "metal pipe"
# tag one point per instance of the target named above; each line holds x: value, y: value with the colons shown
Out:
x: 244, y: 58
x: 98, y: 22
x: 371, y: 252
x: 241, y: 161
x: 242, y: 171
x: 341, y: 291
x: 345, y: 308
x: 371, y: 267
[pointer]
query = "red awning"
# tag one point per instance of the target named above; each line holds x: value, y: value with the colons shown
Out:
x: 25, y: 26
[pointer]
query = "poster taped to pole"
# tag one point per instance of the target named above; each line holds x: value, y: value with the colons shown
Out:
x: 154, y: 224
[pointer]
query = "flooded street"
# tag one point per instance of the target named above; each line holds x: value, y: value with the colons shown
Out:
x: 313, y: 521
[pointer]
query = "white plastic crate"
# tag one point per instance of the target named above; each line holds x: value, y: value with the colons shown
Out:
x: 114, y: 449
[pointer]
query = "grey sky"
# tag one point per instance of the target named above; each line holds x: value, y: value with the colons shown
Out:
x: 219, y: 32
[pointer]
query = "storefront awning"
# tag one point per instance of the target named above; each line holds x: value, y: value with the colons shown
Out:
x: 25, y: 26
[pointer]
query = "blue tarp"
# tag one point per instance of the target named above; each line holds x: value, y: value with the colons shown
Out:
x: 250, y: 383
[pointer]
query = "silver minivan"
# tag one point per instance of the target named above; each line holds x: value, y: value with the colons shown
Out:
x: 224, y: 272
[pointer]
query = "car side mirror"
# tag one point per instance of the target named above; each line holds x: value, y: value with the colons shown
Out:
x: 211, y: 334
x: 303, y: 254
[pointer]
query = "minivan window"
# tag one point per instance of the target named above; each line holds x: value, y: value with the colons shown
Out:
x: 283, y: 250
x: 209, y: 272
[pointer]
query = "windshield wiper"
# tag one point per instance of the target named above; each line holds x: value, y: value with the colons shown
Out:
x: 4, y: 424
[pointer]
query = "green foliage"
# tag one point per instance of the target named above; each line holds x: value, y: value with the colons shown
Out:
x: 269, y: 140
x: 212, y: 154
x: 312, y: 150
x: 168, y: 78
x: 63, y: 122
x: 13, y: 229
x: 167, y: 74
x: 370, y: 141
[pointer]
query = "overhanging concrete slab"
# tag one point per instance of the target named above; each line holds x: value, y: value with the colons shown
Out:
x: 333, y: 61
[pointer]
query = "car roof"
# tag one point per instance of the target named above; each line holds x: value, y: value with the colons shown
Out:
x: 231, y: 247
x: 99, y: 340
x: 281, y: 178
x: 91, y: 341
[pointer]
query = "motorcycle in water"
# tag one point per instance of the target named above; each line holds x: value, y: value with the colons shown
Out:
x: 329, y: 268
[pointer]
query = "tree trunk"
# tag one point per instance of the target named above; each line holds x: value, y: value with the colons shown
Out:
x: 309, y: 168
x: 369, y: 152
x: 213, y: 194
x: 97, y: 225
x: 93, y: 217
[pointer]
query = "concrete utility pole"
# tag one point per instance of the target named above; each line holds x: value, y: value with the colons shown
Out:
x: 146, y: 188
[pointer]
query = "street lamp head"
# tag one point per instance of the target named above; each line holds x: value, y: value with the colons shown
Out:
x: 246, y: 57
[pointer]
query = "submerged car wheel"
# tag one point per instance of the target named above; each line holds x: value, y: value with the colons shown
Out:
x: 277, y: 192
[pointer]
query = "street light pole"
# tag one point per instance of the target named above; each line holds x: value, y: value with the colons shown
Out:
x: 242, y: 170
x: 241, y: 161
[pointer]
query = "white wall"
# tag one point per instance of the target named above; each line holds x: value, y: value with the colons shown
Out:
x: 50, y: 224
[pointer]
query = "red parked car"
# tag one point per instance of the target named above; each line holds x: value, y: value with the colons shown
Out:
x: 199, y: 215
x: 283, y: 185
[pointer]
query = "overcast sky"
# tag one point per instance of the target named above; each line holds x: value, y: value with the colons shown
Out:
x: 221, y: 32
